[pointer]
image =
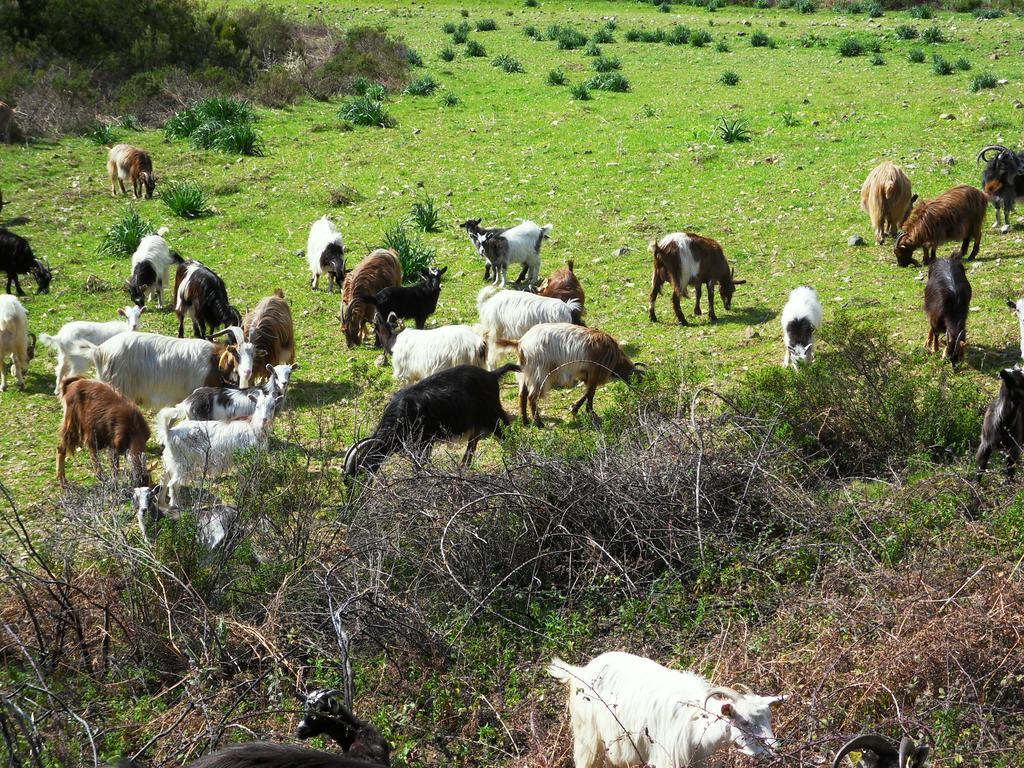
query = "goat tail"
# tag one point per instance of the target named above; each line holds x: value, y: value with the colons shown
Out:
x: 563, y: 672
x: 51, y: 341
x: 506, y: 344
x: 486, y: 294
x: 165, y: 420
x: 507, y: 368
x: 163, y: 231
x: 545, y: 231
x: 569, y: 264
x: 176, y: 257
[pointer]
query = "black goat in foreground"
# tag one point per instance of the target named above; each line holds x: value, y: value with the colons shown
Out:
x: 16, y: 258
x: 417, y: 302
x: 1004, y: 422
x: 883, y: 753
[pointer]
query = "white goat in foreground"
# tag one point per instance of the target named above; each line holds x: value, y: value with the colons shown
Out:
x: 213, y: 521
x: 197, y: 449
x: 507, y: 315
x: 71, y: 359
x: 417, y: 354
x: 801, y: 317
x: 628, y: 711
x: 14, y: 340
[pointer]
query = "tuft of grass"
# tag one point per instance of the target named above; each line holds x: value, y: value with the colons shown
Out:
x: 877, y: 60
x: 129, y: 122
x: 989, y: 13
x: 761, y: 40
x: 665, y: 7
x: 530, y: 3
x: 580, y: 92
x: 218, y: 123
x: 634, y: 35
x: 414, y: 58
x: 185, y: 199
x: 851, y: 46
x: 722, y: 47
x: 422, y: 86
x: 101, y: 134
x: 906, y: 32
x: 450, y: 100
x: 922, y: 12
x: 486, y: 25
x: 230, y: 138
x: 763, y: 4
x: 413, y: 254
x: 962, y: 64
x: 343, y: 195
x: 366, y: 110
x: 699, y: 38
x: 855, y: 8
x: 875, y: 10
x: 449, y: 28
x: 679, y: 34
x: 556, y: 77
x: 507, y: 63
x: 125, y: 234
x: 789, y: 118
x: 733, y: 131
x: 609, y: 81
x: 729, y: 78
x: 983, y: 81
x: 916, y: 56
x: 447, y: 53
x: 426, y: 215
x: 941, y: 66
x: 933, y: 35
x: 602, y: 36
x: 604, y: 64
x: 593, y: 49
x: 475, y: 49
x: 569, y: 39
x: 532, y: 32
x: 460, y: 36
x: 806, y: 6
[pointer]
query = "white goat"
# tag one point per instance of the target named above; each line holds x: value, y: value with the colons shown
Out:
x: 213, y: 521
x: 14, y: 340
x: 507, y: 315
x: 628, y: 711
x: 70, y: 359
x: 151, y: 264
x: 325, y: 253
x: 518, y: 245
x: 197, y: 449
x: 1017, y: 307
x: 801, y: 317
x: 416, y: 354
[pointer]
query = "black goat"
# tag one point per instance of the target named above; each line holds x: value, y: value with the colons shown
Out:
x: 262, y: 754
x: 478, y: 236
x: 458, y: 402
x: 325, y: 713
x: 16, y: 258
x: 1002, y: 179
x: 947, y: 300
x: 883, y: 753
x: 1004, y: 422
x: 417, y: 302
x: 201, y: 294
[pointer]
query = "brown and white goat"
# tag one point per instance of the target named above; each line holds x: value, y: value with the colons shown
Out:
x: 128, y: 163
x: 564, y: 285
x: 269, y: 328
x: 9, y: 131
x: 98, y: 417
x: 956, y: 214
x: 947, y: 300
x: 380, y: 270
x: 886, y: 198
x: 557, y: 355
x: 684, y: 259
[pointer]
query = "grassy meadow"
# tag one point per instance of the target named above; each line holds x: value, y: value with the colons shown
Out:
x: 609, y: 173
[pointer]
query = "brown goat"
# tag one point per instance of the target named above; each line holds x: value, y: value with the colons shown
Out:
x: 9, y: 131
x: 98, y: 417
x: 125, y: 162
x: 957, y: 214
x: 380, y: 270
x: 564, y: 285
x: 887, y: 199
x: 684, y: 259
x: 270, y: 329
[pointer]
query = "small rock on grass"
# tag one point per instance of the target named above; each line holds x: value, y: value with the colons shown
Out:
x: 855, y: 240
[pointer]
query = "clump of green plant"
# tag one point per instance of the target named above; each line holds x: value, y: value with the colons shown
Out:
x: 422, y: 86
x: 665, y: 7
x: 699, y: 38
x: 414, y: 58
x: 450, y: 100
x: 101, y: 134
x: 921, y: 12
x: 733, y: 131
x: 222, y: 124
x: 603, y: 64
x: 806, y: 6
x: 129, y: 122
x: 714, y: 5
x: 634, y: 35
x: 464, y: 13
x: 875, y: 10
x: 851, y: 46
x: 460, y: 36
x: 722, y: 47
x: 789, y: 118
x: 413, y: 254
x: 916, y: 56
x: 679, y: 34
x: 906, y: 32
x: 729, y: 78
x: 569, y: 39
x: 760, y: 39
x: 230, y: 138
x: 580, y: 92
x: 125, y: 234
x: 602, y: 36
x: 941, y: 66
x: 343, y: 195
x: 609, y: 81
x: 854, y: 9
x: 486, y: 25
x: 185, y: 199
x: 366, y: 109
x: 877, y: 60
x: 989, y: 13
x: 962, y: 64
x: 507, y: 63
x: 426, y: 214
x: 983, y: 81
x: 532, y: 32
x: 447, y: 53
x: 449, y: 28
x: 475, y: 49
x: 556, y: 77
x: 530, y: 3
x: 933, y: 35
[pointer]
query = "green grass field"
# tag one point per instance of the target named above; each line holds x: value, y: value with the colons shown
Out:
x: 609, y: 173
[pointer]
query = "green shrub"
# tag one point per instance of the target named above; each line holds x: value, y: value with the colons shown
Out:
x: 447, y: 53
x: 129, y: 122
x: 679, y: 34
x: 580, y: 92
x: 806, y: 6
x: 602, y: 36
x: 225, y: 125
x: 989, y: 13
x: 873, y: 45
x: 530, y: 3
x: 851, y: 46
x: 877, y: 60
x: 962, y: 64
x: 413, y: 254
x: 125, y: 234
x: 603, y: 64
x: 916, y: 56
x: 277, y: 87
x: 983, y: 81
x: 532, y: 32
x: 933, y: 35
x: 422, y: 86
x: 609, y: 81
x: 722, y: 47
x: 475, y: 49
x: 450, y: 100
x: 665, y: 7
x: 426, y: 215
x: 231, y: 138
x: 760, y: 40
x: 185, y: 199
x: 366, y: 110
x: 699, y: 38
x: 732, y: 131
x: 592, y: 49
x: 921, y: 12
x: 101, y: 134
x: 460, y: 36
x: 729, y: 78
x: 940, y: 66
x: 449, y: 28
x: 906, y: 32
x: 556, y: 77
x: 507, y: 63
x: 855, y: 8
x: 569, y: 39
x: 764, y: 4
x: 414, y: 58
x: 634, y: 35
x: 486, y: 25
x: 875, y: 10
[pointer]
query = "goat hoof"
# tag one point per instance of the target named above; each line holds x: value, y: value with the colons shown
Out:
x: 652, y: 317
x: 1005, y: 228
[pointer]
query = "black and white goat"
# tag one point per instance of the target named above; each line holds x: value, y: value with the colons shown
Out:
x: 201, y: 295
x: 327, y: 714
x: 226, y: 403
x: 1002, y: 180
x: 517, y: 245
x: 325, y: 254
x: 477, y: 235
x: 151, y: 264
x: 17, y: 258
x: 1004, y: 422
x: 417, y: 302
x: 462, y: 402
x: 801, y: 317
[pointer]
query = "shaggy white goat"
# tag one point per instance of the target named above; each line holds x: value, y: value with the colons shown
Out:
x: 14, y: 340
x: 801, y: 317
x: 416, y: 354
x: 518, y: 245
x: 151, y: 264
x: 325, y: 253
x: 213, y: 521
x: 629, y: 711
x: 70, y: 359
x: 507, y: 315
x: 197, y: 449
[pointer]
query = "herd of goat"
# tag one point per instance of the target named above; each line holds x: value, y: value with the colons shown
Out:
x: 218, y: 393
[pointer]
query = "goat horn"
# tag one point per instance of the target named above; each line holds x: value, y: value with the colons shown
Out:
x: 32, y: 337
x: 989, y: 148
x: 899, y: 237
x: 877, y: 744
x: 721, y: 690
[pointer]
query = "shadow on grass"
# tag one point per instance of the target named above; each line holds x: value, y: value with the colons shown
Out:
x: 990, y: 360
x: 321, y: 392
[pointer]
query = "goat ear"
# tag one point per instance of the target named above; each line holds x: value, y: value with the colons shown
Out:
x: 1006, y: 375
x: 913, y: 199
x: 121, y: 313
x: 727, y: 709
x: 773, y: 701
x: 441, y: 271
x: 270, y: 368
x: 1012, y: 305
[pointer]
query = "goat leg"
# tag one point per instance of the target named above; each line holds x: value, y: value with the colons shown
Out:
x: 534, y: 400
x: 467, y: 457
x: 61, y: 456
x: 711, y: 301
x: 977, y: 245
x: 522, y: 273
x: 655, y: 290
x: 696, y: 306
x: 678, y: 309
x: 17, y: 285
x: 524, y: 396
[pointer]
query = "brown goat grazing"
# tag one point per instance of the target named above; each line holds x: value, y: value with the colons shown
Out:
x: 380, y: 270
x: 98, y: 417
x: 564, y: 285
x: 125, y: 162
x: 886, y: 198
x: 270, y: 329
x: 684, y: 259
x: 9, y: 131
x: 947, y: 300
x: 957, y: 214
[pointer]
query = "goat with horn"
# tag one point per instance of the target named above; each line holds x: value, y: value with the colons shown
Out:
x: 1002, y: 180
x: 878, y: 752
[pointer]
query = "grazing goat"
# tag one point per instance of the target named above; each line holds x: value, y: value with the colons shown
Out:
x: 683, y: 259
x: 415, y: 303
x: 201, y: 295
x: 325, y: 254
x: 564, y: 286
x: 801, y: 318
x: 477, y: 235
x: 70, y: 362
x: 10, y: 133
x: 98, y: 417
x: 226, y: 403
x: 461, y: 402
x: 16, y: 258
x: 15, y: 340
x: 261, y: 754
x: 957, y: 214
x: 416, y: 354
x: 213, y: 521
x: 326, y: 714
x: 1004, y: 422
x: 1003, y: 181
x: 197, y: 449
x: 886, y: 198
x: 128, y: 163
x: 156, y: 371
x: 507, y: 315
x: 380, y: 270
x: 151, y: 264
x: 947, y: 300
x: 629, y: 711
x: 270, y: 330
x: 1017, y: 307
x: 560, y: 354
x: 885, y: 754
x: 517, y: 245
